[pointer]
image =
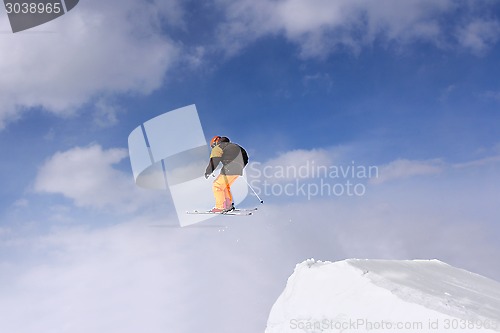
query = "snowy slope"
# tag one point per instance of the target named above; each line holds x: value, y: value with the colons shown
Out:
x: 385, y: 296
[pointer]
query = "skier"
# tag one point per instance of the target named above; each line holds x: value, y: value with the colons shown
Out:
x: 234, y: 158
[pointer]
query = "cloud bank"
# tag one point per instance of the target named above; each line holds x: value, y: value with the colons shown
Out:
x: 322, y: 27
x: 89, y: 177
x: 97, y: 50
x: 144, y: 273
x: 104, y: 49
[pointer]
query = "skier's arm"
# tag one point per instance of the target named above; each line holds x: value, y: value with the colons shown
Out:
x: 215, y: 158
x: 212, y: 165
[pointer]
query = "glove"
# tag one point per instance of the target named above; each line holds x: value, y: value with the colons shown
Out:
x: 207, y: 175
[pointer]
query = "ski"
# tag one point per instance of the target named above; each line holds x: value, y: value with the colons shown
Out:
x: 244, y: 209
x: 221, y: 213
x: 236, y: 211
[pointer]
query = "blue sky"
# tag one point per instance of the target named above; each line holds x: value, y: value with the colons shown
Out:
x: 410, y: 87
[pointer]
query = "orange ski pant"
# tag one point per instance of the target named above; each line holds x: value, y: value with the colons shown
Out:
x: 222, y: 190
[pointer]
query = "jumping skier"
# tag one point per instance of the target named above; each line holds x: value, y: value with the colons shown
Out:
x: 233, y: 158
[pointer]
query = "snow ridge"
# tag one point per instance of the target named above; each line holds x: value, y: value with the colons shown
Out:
x: 436, y: 285
x: 385, y: 296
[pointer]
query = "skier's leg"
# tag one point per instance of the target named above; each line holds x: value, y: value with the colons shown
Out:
x: 227, y: 193
x: 219, y: 188
x: 228, y: 202
x: 222, y: 191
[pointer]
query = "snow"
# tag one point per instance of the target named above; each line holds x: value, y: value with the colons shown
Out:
x: 385, y: 296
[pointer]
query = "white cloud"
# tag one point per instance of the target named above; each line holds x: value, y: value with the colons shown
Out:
x: 96, y: 50
x: 320, y: 27
x: 479, y: 35
x: 133, y: 277
x: 87, y: 176
x: 225, y: 275
x: 106, y: 113
x: 101, y: 49
x: 293, y: 164
x: 493, y: 95
x: 139, y: 276
x: 323, y: 26
x: 403, y: 168
x: 338, y: 164
x: 478, y: 163
x: 447, y: 92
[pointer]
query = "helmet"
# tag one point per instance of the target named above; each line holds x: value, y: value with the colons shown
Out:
x: 215, y: 140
